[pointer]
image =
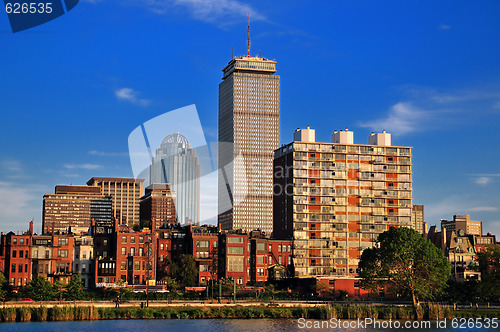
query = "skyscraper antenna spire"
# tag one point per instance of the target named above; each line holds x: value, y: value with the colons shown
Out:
x: 248, y: 40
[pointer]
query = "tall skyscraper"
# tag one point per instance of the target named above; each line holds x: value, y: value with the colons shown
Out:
x: 334, y: 199
x: 249, y: 118
x: 176, y: 163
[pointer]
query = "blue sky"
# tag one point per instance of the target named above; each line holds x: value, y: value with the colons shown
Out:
x: 426, y: 71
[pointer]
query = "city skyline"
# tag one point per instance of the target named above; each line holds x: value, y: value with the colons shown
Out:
x: 426, y: 72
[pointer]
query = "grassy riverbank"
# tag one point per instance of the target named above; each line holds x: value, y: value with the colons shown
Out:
x: 67, y: 313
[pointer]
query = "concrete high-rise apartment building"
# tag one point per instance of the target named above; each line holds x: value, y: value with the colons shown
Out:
x: 463, y: 222
x: 249, y: 118
x: 125, y: 194
x: 334, y: 199
x: 176, y: 163
x: 75, y: 207
x: 418, y: 219
x: 158, y: 204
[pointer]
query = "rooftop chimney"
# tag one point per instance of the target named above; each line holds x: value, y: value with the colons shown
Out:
x: 343, y: 137
x: 382, y: 139
x: 305, y: 135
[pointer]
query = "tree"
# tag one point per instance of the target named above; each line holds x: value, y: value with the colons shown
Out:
x: 123, y: 291
x: 59, y: 287
x: 3, y: 291
x: 409, y: 263
x: 75, y: 288
x: 489, y: 264
x: 40, y: 289
x: 185, y: 270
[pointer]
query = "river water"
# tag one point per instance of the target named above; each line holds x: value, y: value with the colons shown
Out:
x: 232, y: 325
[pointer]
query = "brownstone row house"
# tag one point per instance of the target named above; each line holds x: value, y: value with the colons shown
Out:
x: 109, y: 252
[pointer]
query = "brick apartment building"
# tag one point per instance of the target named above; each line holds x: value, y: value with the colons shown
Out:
x: 334, y: 199
x: 15, y: 252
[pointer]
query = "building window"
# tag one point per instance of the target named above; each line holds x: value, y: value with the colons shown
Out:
x: 161, y: 246
x: 235, y: 264
x: 14, y: 253
x: 13, y: 268
x: 235, y: 250
x: 123, y: 265
x: 105, y: 242
x: 25, y: 267
x: 124, y: 239
x: 235, y: 240
x: 279, y: 248
x: 270, y: 248
x: 137, y: 265
x: 62, y: 253
x: 20, y: 268
x: 215, y: 244
x: 21, y: 241
x: 124, y: 251
x: 132, y: 251
x: 279, y: 260
x: 84, y: 267
x: 202, y: 244
x: 132, y: 239
x: 14, y: 241
x: 63, y: 242
x: 141, y: 251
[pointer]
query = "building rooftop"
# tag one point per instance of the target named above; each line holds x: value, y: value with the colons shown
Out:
x: 106, y: 179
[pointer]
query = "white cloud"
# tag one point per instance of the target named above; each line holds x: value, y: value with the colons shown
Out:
x: 483, y: 209
x: 12, y: 166
x: 219, y: 12
x: 12, y: 169
x: 82, y: 166
x: 108, y: 154
x: 18, y: 205
x: 444, y: 27
x: 132, y: 96
x: 212, y: 11
x: 483, y: 180
x: 403, y: 118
